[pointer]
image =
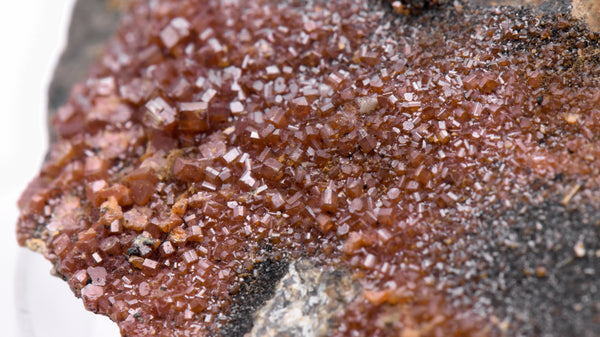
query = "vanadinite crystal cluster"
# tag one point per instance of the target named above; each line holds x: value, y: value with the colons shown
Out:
x: 442, y: 156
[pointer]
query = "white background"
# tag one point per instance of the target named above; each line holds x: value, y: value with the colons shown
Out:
x: 32, y: 34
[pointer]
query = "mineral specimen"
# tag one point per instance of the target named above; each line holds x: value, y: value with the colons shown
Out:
x: 439, y: 169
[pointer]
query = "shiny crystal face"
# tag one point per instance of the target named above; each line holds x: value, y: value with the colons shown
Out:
x: 214, y: 135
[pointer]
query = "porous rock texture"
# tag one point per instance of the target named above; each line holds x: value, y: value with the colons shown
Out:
x: 331, y: 168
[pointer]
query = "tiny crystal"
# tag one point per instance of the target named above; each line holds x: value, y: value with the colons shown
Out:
x: 159, y: 114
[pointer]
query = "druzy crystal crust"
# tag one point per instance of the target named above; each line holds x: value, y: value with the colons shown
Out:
x: 214, y: 136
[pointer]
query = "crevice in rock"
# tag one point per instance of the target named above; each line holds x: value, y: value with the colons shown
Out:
x: 258, y: 287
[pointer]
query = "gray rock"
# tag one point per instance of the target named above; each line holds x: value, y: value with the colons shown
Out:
x: 305, y: 302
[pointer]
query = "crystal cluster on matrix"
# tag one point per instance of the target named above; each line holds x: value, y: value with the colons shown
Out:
x: 214, y: 135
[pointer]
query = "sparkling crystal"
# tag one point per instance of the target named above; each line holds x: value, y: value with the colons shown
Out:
x: 190, y: 256
x: 174, y: 32
x: 236, y: 108
x: 159, y: 114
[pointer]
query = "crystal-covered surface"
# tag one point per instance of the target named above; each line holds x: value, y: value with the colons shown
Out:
x: 212, y: 137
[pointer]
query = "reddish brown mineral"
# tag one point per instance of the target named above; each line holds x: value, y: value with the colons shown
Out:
x: 215, y: 135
